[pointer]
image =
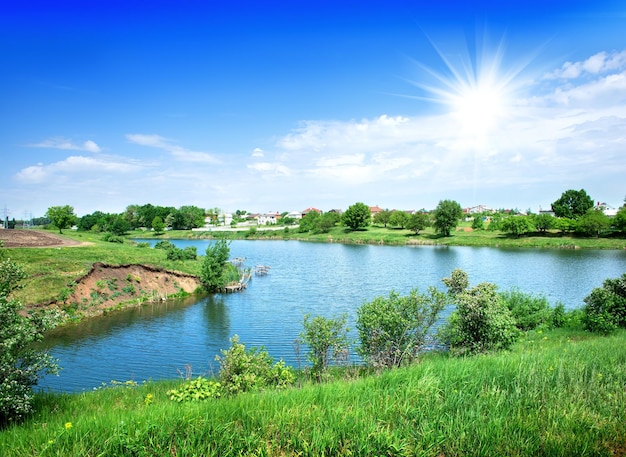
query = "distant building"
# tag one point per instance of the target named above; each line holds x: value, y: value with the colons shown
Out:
x: 374, y: 210
x: 270, y: 218
x: 308, y: 210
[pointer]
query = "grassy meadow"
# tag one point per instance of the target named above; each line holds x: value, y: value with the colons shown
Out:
x: 556, y: 393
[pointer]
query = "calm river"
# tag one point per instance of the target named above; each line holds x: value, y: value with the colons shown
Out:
x: 158, y: 341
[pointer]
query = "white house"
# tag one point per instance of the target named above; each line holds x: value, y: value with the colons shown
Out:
x: 270, y: 218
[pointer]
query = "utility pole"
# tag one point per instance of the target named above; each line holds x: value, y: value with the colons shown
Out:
x: 5, y: 217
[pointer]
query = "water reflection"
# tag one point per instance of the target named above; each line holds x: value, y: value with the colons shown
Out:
x: 158, y: 340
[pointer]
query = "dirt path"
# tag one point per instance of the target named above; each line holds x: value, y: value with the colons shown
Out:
x: 20, y: 238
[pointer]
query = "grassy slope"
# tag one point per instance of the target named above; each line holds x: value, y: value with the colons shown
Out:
x: 555, y: 393
x: 50, y: 270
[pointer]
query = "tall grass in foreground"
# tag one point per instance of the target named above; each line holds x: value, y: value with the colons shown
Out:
x: 555, y: 393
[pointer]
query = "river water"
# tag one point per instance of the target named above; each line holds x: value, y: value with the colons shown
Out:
x: 163, y: 340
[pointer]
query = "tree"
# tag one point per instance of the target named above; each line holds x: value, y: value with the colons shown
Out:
x: 158, y: 225
x: 572, y: 204
x: 327, y: 339
x: 119, y: 226
x: 214, y: 266
x: 62, y: 217
x: 357, y: 216
x: 543, y: 222
x: 517, y: 225
x: 393, y: 330
x: 382, y: 217
x: 593, y: 223
x: 447, y: 216
x: 478, y: 223
x: 399, y: 218
x: 418, y: 222
x: 619, y: 221
x: 20, y: 364
x: 309, y: 222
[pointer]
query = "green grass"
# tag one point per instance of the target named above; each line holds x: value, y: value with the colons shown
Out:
x: 556, y: 393
x: 50, y: 270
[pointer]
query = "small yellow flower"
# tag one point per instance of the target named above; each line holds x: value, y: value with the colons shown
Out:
x: 50, y: 441
x: 68, y: 425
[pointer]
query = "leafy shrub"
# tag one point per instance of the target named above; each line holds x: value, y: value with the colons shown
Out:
x: 529, y: 311
x: 457, y: 282
x: 190, y: 253
x: 112, y: 238
x: 20, y: 364
x: 393, y: 330
x: 174, y: 254
x: 481, y: 323
x: 164, y: 244
x: 605, y: 307
x: 242, y: 369
x: 327, y: 339
x: 559, y: 316
x: 196, y: 390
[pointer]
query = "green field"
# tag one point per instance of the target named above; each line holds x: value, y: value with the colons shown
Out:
x: 557, y: 393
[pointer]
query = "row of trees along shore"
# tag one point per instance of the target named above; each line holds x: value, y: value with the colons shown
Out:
x: 573, y: 212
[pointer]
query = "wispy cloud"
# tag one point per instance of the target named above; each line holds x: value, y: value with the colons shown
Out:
x: 77, y: 167
x: 63, y: 143
x: 600, y: 63
x: 180, y: 153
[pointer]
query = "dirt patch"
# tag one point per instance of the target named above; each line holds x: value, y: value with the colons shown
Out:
x: 108, y: 286
x: 18, y: 238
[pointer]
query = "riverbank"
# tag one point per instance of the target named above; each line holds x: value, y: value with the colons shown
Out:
x: 555, y: 393
x: 52, y: 270
x: 463, y: 236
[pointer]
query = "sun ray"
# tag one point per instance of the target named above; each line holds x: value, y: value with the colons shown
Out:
x: 474, y: 86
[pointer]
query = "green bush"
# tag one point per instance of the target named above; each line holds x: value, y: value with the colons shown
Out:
x: 327, y: 339
x: 481, y: 323
x: 393, y: 330
x: 242, y: 369
x: 457, y: 282
x: 20, y: 364
x: 190, y: 253
x: 112, y: 238
x: 529, y: 311
x: 164, y: 244
x: 605, y: 307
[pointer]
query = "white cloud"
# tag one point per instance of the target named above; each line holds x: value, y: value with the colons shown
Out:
x: 180, y: 153
x: 599, y: 63
x: 258, y: 152
x: 76, y: 167
x: 65, y: 144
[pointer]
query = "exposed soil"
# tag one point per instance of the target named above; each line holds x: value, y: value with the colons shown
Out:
x: 18, y: 238
x: 106, y: 286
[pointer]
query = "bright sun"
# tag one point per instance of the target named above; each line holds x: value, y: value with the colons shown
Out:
x: 478, y: 94
x: 478, y: 108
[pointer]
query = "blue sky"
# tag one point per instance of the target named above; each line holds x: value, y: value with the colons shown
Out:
x: 278, y: 106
